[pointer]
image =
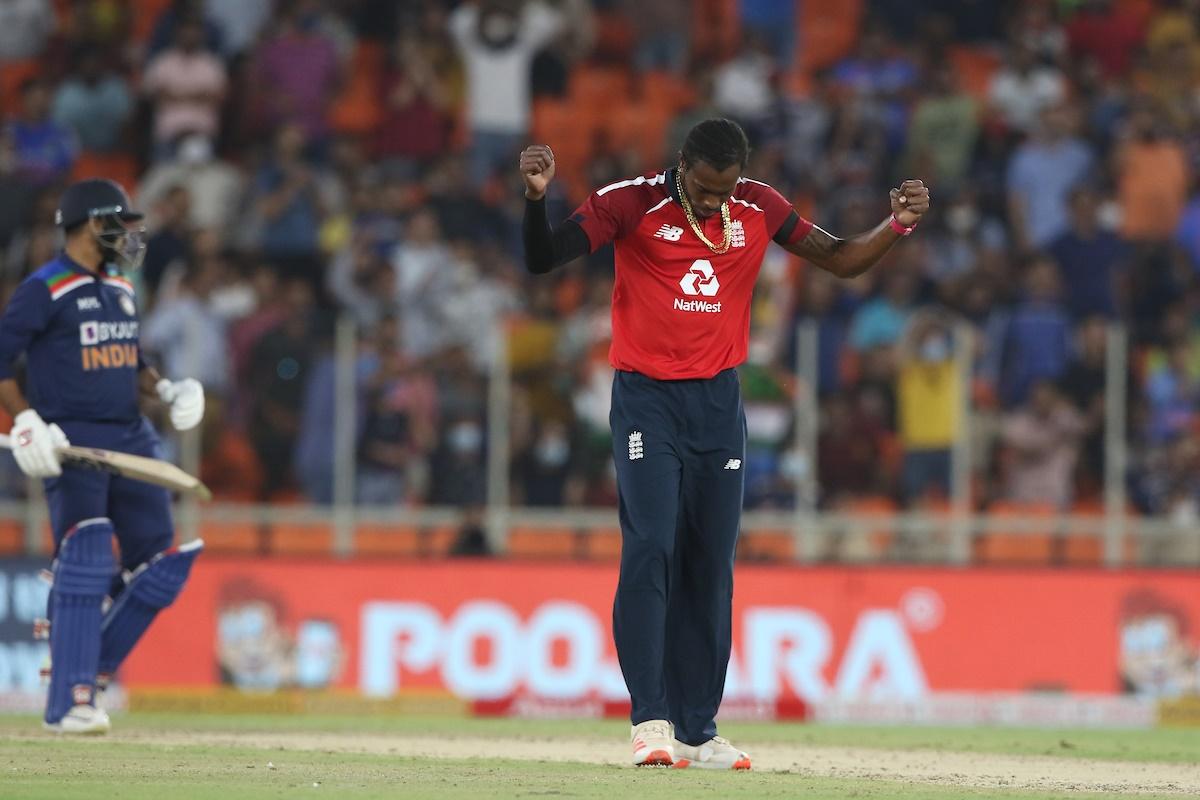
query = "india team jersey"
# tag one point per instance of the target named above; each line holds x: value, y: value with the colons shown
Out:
x: 680, y: 310
x: 79, y: 331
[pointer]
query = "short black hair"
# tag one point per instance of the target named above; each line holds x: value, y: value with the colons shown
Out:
x: 720, y: 143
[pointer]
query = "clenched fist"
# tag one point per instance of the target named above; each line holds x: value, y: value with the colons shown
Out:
x: 537, y: 168
x: 910, y: 202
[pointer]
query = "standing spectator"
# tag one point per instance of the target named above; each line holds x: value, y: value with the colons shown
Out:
x: 1106, y: 32
x: 170, y: 243
x: 187, y: 85
x: 1038, y: 336
x: 849, y: 451
x: 25, y: 26
x: 1084, y: 384
x: 43, y: 150
x: 188, y: 333
x: 1043, y: 439
x: 1041, y: 174
x: 1090, y: 259
x: 943, y: 130
x: 214, y: 185
x: 426, y: 279
x: 95, y: 103
x: 928, y: 393
x: 1152, y: 178
x: 1187, y: 233
x: 498, y: 40
x: 881, y: 322
x: 295, y: 73
x: 742, y: 86
x: 660, y: 43
x: 280, y: 363
x: 543, y: 467
x: 419, y: 93
x: 289, y: 199
x: 1020, y: 91
x: 239, y: 21
x: 1172, y: 394
x: 881, y: 77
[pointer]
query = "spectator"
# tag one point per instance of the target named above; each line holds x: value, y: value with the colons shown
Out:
x: 1020, y: 91
x: 498, y: 40
x: 881, y: 322
x: 95, y: 103
x: 1084, y: 385
x: 240, y: 22
x: 1187, y: 233
x: 43, y: 150
x: 1041, y: 175
x: 1090, y: 259
x: 928, y: 398
x: 742, y: 86
x: 214, y: 185
x: 426, y: 280
x: 543, y: 467
x: 1039, y: 335
x: 169, y: 245
x: 295, y: 73
x: 1043, y: 439
x: 418, y: 96
x: 1106, y: 32
x: 280, y: 362
x: 660, y: 43
x: 1172, y: 394
x: 25, y: 27
x: 289, y: 199
x: 849, y: 451
x: 942, y: 131
x: 188, y: 333
x: 187, y: 85
x: 1152, y: 178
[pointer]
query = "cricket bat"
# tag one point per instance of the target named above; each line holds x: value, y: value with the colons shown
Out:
x: 139, y: 468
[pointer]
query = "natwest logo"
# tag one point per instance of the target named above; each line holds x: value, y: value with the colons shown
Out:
x: 700, y: 279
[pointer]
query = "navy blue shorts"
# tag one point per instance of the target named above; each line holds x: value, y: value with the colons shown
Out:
x: 140, y: 512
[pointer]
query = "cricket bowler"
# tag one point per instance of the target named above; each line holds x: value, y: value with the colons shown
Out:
x: 75, y: 319
x: 689, y: 244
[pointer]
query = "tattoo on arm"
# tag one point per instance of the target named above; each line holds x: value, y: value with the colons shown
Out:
x: 818, y: 246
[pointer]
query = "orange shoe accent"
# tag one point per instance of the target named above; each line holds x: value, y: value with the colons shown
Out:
x: 657, y: 758
x: 742, y: 764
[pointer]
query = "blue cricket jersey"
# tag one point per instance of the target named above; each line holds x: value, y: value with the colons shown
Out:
x: 79, y: 331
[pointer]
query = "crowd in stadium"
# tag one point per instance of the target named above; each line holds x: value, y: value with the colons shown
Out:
x: 301, y: 159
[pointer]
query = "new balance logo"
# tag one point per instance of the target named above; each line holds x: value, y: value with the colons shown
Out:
x: 87, y: 303
x: 737, y: 234
x: 733, y: 463
x: 669, y: 233
x: 635, y: 446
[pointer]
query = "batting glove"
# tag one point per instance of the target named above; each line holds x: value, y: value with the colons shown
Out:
x: 35, y: 445
x: 186, y: 399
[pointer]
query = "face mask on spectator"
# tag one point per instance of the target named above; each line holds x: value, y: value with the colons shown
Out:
x: 961, y: 219
x: 465, y: 437
x: 552, y: 451
x: 935, y: 348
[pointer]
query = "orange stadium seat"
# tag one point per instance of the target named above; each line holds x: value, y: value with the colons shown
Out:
x: 828, y: 31
x: 12, y: 75
x: 120, y: 167
x: 603, y: 544
x: 878, y: 540
x: 599, y: 87
x: 391, y: 541
x: 767, y: 545
x: 974, y: 67
x: 12, y: 538
x: 1084, y: 550
x: 232, y: 538
x: 543, y: 543
x: 296, y: 539
x: 716, y: 28
x: 356, y: 110
x: 1017, y: 547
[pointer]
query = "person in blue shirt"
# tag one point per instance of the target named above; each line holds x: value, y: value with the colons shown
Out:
x: 75, y: 321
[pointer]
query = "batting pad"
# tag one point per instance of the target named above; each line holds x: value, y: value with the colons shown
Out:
x: 149, y: 589
x: 82, y: 572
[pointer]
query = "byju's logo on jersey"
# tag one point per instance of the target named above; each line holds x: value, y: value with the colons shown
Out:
x: 669, y: 233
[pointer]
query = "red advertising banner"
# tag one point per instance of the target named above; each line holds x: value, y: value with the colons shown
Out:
x: 487, y: 630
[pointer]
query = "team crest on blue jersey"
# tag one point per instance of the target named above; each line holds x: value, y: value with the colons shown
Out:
x: 127, y: 304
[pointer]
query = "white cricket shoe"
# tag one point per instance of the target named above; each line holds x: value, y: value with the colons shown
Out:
x: 716, y: 753
x: 81, y: 719
x: 653, y: 743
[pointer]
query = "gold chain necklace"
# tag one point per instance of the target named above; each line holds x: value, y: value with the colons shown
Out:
x: 726, y: 224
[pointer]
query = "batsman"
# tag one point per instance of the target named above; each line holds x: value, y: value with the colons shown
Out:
x: 75, y: 319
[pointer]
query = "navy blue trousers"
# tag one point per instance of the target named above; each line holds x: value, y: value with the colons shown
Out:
x: 140, y: 512
x: 678, y: 447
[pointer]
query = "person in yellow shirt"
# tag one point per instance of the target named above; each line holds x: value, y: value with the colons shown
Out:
x: 927, y: 398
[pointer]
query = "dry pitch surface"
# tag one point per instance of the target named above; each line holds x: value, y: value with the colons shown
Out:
x: 226, y: 757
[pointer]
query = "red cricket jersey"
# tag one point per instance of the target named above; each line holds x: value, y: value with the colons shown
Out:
x: 679, y: 310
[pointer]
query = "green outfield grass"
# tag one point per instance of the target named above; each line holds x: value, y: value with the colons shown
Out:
x: 35, y: 767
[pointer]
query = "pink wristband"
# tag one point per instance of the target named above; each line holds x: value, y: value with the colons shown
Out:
x: 900, y: 228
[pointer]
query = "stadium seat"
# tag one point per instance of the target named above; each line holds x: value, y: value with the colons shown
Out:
x: 767, y: 545
x: 390, y: 541
x: 874, y: 541
x: 974, y: 67
x: 599, y: 88
x: 828, y: 31
x: 1017, y: 547
x: 12, y: 75
x: 120, y: 167
x: 603, y: 544
x: 296, y: 539
x: 1080, y: 549
x: 543, y: 543
x: 232, y: 538
x: 356, y: 110
x: 12, y: 538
